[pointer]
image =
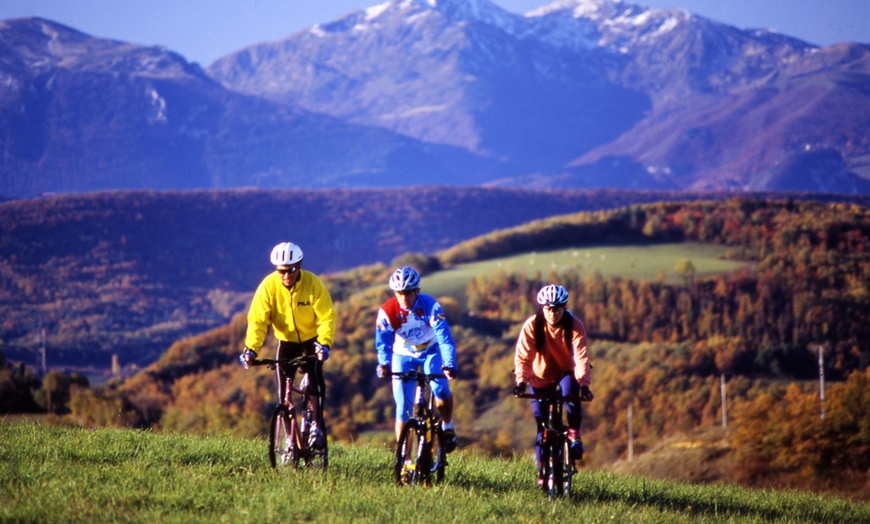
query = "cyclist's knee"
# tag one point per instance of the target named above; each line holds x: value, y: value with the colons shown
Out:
x: 441, y: 391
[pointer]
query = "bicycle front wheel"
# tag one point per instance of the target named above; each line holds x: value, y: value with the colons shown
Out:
x: 412, y: 463
x: 555, y: 481
x: 283, y: 439
x: 569, y: 469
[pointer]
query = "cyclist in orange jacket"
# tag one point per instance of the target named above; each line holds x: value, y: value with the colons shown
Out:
x: 552, y: 350
x: 299, y: 308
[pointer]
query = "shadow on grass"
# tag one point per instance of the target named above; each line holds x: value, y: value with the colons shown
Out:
x: 706, y: 501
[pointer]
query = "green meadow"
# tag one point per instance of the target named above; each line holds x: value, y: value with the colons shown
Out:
x: 63, y: 474
x: 639, y: 262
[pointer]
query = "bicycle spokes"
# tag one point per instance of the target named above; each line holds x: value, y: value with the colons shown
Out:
x: 283, y: 448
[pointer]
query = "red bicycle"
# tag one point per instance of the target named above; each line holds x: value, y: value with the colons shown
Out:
x: 290, y: 425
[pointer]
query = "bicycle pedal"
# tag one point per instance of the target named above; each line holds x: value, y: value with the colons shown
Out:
x: 407, y: 474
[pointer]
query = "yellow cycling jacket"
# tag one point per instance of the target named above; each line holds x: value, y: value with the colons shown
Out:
x: 298, y: 314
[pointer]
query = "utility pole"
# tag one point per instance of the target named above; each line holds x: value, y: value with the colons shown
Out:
x: 722, y: 394
x: 43, y: 354
x: 630, y: 437
x: 822, y: 378
x: 42, y: 364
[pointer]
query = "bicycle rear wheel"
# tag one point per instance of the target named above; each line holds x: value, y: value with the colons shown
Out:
x: 438, y: 454
x: 412, y: 456
x: 314, y: 457
x: 283, y: 439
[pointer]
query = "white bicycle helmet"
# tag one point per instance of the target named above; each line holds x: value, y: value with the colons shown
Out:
x: 553, y: 295
x: 405, y: 279
x: 286, y: 254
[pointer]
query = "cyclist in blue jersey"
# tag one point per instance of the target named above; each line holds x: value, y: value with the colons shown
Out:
x: 412, y: 331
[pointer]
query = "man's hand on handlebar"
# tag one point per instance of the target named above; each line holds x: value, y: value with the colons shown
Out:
x: 383, y: 371
x: 520, y: 389
x: 247, y: 356
x: 450, y: 373
x: 322, y: 352
x: 586, y: 393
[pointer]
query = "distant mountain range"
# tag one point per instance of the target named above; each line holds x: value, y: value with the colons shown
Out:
x: 575, y: 94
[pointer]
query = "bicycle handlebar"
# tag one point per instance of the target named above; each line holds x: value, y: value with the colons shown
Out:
x: 554, y: 396
x: 295, y: 361
x: 413, y: 375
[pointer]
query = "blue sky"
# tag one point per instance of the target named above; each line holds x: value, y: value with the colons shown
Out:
x: 203, y: 30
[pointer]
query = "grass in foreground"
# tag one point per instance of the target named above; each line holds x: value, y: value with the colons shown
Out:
x: 52, y: 474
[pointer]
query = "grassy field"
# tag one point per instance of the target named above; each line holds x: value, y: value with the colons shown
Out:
x: 53, y: 474
x: 629, y: 261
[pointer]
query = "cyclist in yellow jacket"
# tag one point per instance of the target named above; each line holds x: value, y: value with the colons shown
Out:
x: 299, y: 308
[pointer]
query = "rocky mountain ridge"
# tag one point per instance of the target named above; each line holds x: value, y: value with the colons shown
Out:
x: 574, y: 94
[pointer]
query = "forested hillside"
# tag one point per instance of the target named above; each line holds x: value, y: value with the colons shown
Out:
x: 129, y: 273
x: 659, y: 346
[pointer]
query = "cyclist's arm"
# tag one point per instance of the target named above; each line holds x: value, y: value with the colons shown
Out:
x: 582, y: 369
x: 324, y: 313
x: 385, y: 337
x: 525, y: 353
x: 259, y: 317
x: 446, y: 344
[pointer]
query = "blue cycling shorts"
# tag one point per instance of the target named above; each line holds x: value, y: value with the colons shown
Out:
x: 403, y: 390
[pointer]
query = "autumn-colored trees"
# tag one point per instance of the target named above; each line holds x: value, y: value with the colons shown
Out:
x: 786, y: 438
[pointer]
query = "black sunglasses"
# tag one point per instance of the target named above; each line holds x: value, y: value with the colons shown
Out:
x: 290, y: 270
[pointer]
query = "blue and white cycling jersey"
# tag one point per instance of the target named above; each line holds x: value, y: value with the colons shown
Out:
x: 412, y: 332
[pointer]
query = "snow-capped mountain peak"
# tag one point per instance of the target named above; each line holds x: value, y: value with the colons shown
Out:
x: 461, y: 11
x: 608, y: 23
x: 589, y: 9
x: 476, y: 11
x: 572, y: 94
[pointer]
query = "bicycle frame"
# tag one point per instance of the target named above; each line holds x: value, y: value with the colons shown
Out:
x: 420, y: 453
x: 557, y: 466
x: 290, y: 423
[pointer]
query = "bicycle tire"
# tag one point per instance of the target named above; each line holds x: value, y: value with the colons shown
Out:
x: 283, y: 439
x: 556, y: 478
x: 569, y: 468
x: 411, y: 467
x: 544, y: 467
x: 437, y: 454
x: 313, y: 458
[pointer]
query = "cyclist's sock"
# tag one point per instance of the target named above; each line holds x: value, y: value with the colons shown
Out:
x: 446, y: 425
x: 449, y: 437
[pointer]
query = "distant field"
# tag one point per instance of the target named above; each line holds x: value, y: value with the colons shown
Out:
x: 630, y: 261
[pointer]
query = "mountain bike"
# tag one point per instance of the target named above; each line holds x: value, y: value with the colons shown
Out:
x: 421, y: 455
x: 290, y: 424
x: 556, y: 465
